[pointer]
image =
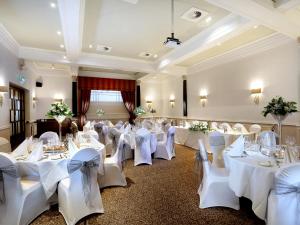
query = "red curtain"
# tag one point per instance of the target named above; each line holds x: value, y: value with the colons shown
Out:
x: 129, y: 102
x: 86, y: 84
x: 84, y: 104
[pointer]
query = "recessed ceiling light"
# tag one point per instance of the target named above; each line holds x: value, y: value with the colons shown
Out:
x: 53, y: 5
x: 145, y: 54
x: 58, y: 32
x: 219, y: 44
x: 65, y: 57
x: 103, y: 48
x: 208, y: 19
x: 61, y: 46
x: 255, y: 27
x: 90, y: 46
x: 155, y: 56
x: 52, y: 67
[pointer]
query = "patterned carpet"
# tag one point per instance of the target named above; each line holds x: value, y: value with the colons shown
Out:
x: 163, y: 194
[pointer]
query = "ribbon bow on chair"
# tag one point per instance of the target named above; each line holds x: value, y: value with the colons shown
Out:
x: 282, y: 188
x: 171, y: 136
x: 85, y: 167
x: 10, y: 171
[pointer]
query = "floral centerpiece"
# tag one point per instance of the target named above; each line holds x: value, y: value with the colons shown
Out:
x: 279, y: 109
x: 200, y: 126
x: 100, y: 112
x: 139, y: 111
x: 59, y: 111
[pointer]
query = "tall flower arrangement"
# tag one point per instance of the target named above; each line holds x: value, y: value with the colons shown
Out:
x: 59, y: 111
x: 200, y: 126
x: 100, y: 112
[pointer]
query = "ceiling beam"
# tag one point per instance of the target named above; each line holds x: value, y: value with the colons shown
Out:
x: 8, y: 41
x: 72, y: 17
x: 223, y: 30
x: 254, y: 11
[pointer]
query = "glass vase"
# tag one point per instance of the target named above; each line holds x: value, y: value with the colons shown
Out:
x: 279, y: 119
x: 60, y: 119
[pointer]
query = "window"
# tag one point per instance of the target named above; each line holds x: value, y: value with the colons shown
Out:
x: 106, y: 96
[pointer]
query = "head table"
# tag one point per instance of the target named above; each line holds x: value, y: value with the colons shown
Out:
x: 251, y: 175
x: 52, y: 167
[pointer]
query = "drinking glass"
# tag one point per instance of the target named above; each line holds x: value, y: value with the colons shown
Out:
x: 290, y: 141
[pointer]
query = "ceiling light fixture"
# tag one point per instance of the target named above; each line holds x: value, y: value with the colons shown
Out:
x: 172, y: 42
x: 53, y: 5
x: 90, y: 46
x: 58, y: 32
x: 61, y: 46
x: 219, y: 44
x: 208, y: 19
x: 52, y: 67
x: 155, y: 56
x: 255, y: 27
x: 65, y: 57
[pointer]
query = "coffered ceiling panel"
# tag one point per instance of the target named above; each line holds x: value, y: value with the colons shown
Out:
x: 131, y: 29
x: 33, y: 23
x: 244, y: 38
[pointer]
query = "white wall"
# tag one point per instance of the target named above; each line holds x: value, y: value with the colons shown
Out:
x: 53, y: 87
x: 151, y: 90
x: 9, y: 71
x: 228, y: 87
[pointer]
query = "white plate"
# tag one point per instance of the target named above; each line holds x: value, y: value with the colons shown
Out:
x: 266, y: 164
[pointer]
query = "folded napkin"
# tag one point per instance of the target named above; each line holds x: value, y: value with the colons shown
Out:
x: 237, y: 148
x: 37, y: 152
x: 21, y: 150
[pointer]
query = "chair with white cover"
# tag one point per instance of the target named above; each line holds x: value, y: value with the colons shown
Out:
x: 217, y: 145
x: 114, y: 135
x: 98, y: 127
x: 142, y: 151
x: 166, y: 149
x: 226, y: 127
x: 49, y: 136
x: 93, y: 134
x: 21, y: 200
x: 284, y: 199
x: 113, y: 174
x: 256, y: 129
x: 240, y: 128
x: 214, y: 189
x: 267, y: 138
x: 214, y: 125
x: 87, y: 126
x: 79, y: 194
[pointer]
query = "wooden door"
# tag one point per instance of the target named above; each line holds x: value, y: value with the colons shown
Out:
x: 17, y: 115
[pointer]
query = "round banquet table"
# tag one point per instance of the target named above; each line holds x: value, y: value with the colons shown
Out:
x: 249, y: 179
x: 53, y: 168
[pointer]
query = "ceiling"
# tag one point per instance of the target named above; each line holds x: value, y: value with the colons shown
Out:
x: 131, y: 29
x: 28, y: 22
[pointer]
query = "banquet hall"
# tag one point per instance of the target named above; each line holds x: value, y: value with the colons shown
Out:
x: 140, y: 112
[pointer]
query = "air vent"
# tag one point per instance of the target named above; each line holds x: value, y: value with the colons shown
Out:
x: 194, y: 15
x: 103, y: 48
x: 145, y: 54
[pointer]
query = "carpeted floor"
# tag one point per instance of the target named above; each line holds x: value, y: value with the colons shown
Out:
x: 162, y: 194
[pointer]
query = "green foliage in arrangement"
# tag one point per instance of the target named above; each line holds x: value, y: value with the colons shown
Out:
x: 278, y: 106
x: 59, y: 109
x: 200, y: 126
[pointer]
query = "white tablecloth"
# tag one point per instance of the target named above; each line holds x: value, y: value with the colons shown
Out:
x: 249, y: 179
x: 189, y: 138
x: 53, y: 169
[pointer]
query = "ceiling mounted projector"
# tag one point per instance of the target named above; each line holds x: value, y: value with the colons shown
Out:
x: 172, y: 42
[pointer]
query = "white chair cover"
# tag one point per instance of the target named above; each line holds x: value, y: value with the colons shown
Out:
x: 166, y: 149
x: 226, y: 127
x: 240, y: 128
x: 214, y: 189
x: 214, y: 125
x: 113, y: 175
x: 79, y: 195
x: 142, y: 151
x: 147, y: 124
x: 256, y: 129
x: 98, y: 127
x: 93, y: 134
x: 284, y: 199
x: 114, y: 135
x: 21, y: 200
x: 87, y: 126
x: 4, y: 145
x: 267, y: 138
x: 217, y: 145
x: 49, y: 135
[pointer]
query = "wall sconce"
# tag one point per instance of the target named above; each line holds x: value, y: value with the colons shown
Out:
x: 34, y: 99
x: 3, y: 89
x: 58, y: 100
x: 256, y: 92
x: 203, y: 99
x: 149, y: 104
x: 172, y: 102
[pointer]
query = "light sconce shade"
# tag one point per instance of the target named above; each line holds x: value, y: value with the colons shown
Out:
x: 256, y: 92
x: 203, y: 99
x: 58, y: 100
x: 172, y: 102
x: 3, y: 89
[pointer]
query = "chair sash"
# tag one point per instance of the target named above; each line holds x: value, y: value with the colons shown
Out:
x: 85, y: 167
x: 10, y: 171
x: 282, y: 188
x: 114, y: 136
x: 218, y: 140
x: 171, y: 138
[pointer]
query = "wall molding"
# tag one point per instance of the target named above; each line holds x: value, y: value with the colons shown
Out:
x: 261, y: 45
x: 8, y: 40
